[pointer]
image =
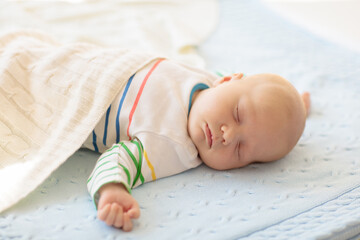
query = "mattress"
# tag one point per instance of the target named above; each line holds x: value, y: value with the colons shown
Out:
x: 312, y: 193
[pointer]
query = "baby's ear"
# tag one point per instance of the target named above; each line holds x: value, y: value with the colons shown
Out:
x: 306, y: 100
x: 228, y: 78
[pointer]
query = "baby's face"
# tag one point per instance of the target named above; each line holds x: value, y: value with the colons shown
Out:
x: 238, y: 122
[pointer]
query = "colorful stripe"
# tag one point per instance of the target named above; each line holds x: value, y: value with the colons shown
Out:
x: 110, y: 149
x: 120, y: 106
x: 106, y: 125
x: 219, y: 74
x: 105, y: 170
x: 97, y: 174
x: 153, y: 176
x: 137, y: 164
x: 93, y: 174
x: 140, y: 160
x: 199, y: 86
x: 100, y: 174
x: 139, y: 94
x: 102, y: 178
x: 96, y: 149
x: 97, y: 169
x: 127, y: 173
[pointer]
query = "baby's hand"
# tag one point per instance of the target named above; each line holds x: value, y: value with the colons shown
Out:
x: 117, y: 207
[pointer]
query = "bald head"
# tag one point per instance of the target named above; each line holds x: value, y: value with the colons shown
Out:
x: 284, y: 110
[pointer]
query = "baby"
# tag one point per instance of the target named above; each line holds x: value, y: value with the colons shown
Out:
x: 171, y: 117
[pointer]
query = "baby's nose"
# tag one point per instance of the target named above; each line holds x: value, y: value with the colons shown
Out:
x: 227, y: 135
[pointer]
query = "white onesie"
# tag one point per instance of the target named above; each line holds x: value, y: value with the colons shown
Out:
x: 143, y: 135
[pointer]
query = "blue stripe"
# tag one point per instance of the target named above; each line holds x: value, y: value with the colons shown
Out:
x: 106, y: 125
x: 94, y: 142
x: 199, y: 86
x: 119, y: 109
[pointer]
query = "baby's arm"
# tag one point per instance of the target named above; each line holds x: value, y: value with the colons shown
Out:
x: 117, y: 207
x: 116, y: 172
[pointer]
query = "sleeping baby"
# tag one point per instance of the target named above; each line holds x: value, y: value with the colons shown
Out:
x: 171, y: 117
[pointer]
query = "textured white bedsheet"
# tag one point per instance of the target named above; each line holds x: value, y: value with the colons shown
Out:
x: 313, y: 193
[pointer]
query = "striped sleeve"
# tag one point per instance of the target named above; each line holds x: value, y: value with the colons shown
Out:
x: 120, y: 164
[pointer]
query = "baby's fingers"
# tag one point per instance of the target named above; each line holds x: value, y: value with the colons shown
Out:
x: 119, y: 218
x: 134, y: 212
x: 127, y: 223
x: 104, y: 212
x: 110, y: 219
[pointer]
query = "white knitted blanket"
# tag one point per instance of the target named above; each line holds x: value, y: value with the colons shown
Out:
x: 51, y: 97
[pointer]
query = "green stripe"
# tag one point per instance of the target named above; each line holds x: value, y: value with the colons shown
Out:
x: 106, y: 156
x: 127, y: 173
x: 110, y: 149
x: 96, y: 170
x: 129, y: 153
x: 101, y: 164
x: 135, y: 163
x: 219, y: 74
x: 113, y: 174
x: 105, y: 170
x: 142, y: 147
x: 140, y: 160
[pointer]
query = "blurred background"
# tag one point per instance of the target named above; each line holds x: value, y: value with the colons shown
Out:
x: 335, y: 20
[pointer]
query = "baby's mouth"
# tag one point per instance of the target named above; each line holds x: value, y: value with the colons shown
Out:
x: 208, y: 135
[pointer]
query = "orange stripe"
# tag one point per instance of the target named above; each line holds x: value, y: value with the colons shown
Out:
x: 139, y: 94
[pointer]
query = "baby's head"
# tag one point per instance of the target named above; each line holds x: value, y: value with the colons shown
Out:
x: 241, y: 120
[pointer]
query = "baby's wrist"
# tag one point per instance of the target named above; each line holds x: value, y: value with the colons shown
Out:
x: 111, y: 187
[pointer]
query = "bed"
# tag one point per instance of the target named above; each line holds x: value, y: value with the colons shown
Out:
x: 312, y: 193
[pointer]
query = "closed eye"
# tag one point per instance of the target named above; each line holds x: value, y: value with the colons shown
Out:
x: 237, y: 118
